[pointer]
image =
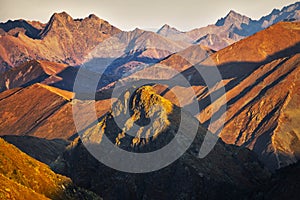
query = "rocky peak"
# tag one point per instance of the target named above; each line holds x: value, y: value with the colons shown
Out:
x: 138, y: 31
x: 93, y: 16
x: 146, y: 109
x: 144, y: 103
x: 57, y: 21
x: 293, y: 7
x: 288, y: 13
x: 233, y: 13
x: 60, y: 16
x: 275, y: 11
x: 62, y: 21
x: 165, y: 27
x: 167, y: 30
x: 233, y: 18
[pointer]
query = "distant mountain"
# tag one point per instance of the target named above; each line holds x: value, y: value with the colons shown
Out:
x: 102, y: 47
x: 166, y: 30
x: 116, y: 57
x: 234, y: 27
x: 173, y: 34
x: 67, y: 38
x: 126, y: 52
x: 172, y: 65
x: 288, y: 13
x: 184, y: 59
x: 31, y: 29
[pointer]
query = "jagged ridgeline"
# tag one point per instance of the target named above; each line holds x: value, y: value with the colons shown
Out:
x: 144, y: 114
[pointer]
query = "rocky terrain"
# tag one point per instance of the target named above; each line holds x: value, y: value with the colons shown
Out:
x: 46, y: 123
x: 62, y: 34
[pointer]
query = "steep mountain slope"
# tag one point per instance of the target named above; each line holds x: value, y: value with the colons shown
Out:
x: 260, y: 75
x: 43, y: 150
x: 31, y: 72
x: 67, y: 38
x: 234, y: 27
x: 43, y: 111
x: 267, y: 120
x: 12, y: 190
x: 24, y: 109
x: 24, y: 177
x: 227, y: 169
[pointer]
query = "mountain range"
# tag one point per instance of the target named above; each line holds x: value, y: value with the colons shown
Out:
x: 232, y: 28
x: 44, y: 154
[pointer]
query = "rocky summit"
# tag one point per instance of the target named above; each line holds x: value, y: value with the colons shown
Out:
x: 236, y: 168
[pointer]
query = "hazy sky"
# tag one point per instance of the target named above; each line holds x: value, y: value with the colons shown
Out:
x: 129, y: 14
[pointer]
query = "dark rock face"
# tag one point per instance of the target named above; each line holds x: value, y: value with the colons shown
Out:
x: 187, y: 178
x: 284, y: 184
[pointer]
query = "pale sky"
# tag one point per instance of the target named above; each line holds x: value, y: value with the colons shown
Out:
x: 129, y: 14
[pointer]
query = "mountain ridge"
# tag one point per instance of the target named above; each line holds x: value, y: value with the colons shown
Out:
x: 234, y: 27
